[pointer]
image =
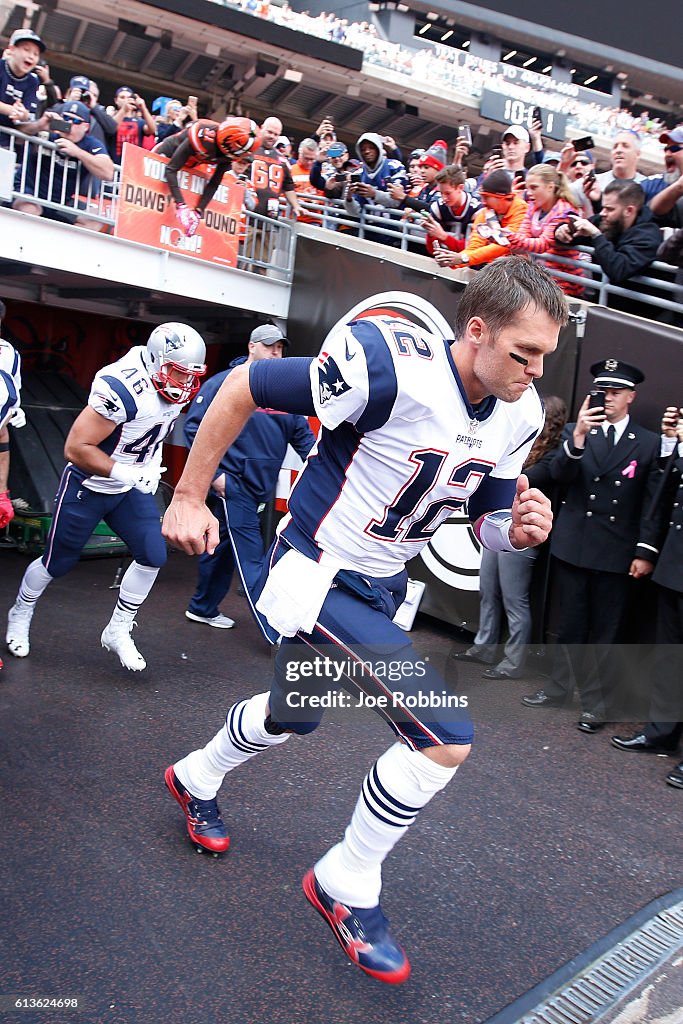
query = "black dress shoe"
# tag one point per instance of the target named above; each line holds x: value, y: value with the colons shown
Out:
x: 640, y: 742
x: 675, y: 776
x: 542, y: 700
x: 589, y: 723
x: 495, y: 673
x: 466, y: 656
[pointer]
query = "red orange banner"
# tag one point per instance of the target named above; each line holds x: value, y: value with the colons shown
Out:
x: 146, y: 212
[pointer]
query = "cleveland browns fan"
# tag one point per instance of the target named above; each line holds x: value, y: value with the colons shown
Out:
x: 205, y: 142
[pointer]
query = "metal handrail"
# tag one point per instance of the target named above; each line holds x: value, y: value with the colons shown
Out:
x: 268, y: 245
x: 395, y: 224
x: 604, y: 288
x: 37, y: 157
x: 392, y: 224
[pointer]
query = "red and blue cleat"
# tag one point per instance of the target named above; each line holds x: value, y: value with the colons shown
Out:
x: 362, y: 934
x: 204, y: 823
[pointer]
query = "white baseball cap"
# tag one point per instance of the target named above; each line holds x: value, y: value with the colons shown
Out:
x: 517, y: 132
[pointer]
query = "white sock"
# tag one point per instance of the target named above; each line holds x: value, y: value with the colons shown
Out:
x: 136, y: 584
x: 397, y: 787
x: 35, y: 581
x: 242, y: 737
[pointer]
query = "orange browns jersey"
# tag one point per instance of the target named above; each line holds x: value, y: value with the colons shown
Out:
x: 301, y: 176
x: 270, y: 178
x: 202, y: 137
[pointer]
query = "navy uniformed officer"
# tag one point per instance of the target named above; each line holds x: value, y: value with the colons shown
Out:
x: 663, y: 733
x: 609, y: 466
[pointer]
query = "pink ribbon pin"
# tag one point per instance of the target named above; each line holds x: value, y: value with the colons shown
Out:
x: 630, y: 470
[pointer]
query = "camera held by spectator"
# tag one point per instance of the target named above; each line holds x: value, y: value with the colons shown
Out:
x: 79, y: 89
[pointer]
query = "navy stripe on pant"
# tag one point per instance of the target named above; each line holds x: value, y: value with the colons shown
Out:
x: 357, y: 632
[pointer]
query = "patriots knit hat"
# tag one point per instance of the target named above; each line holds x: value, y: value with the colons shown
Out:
x: 76, y: 109
x: 436, y: 156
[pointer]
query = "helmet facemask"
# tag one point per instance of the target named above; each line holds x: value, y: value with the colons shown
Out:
x: 176, y: 352
x: 176, y: 390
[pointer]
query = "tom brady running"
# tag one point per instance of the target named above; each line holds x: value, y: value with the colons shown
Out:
x: 414, y: 426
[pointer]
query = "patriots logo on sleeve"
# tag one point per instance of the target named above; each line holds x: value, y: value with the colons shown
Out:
x: 330, y: 380
x: 107, y: 403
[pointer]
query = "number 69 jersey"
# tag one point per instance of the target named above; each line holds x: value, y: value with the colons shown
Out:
x: 124, y: 393
x: 400, y: 447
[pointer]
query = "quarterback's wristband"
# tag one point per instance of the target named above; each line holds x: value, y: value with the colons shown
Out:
x: 493, y: 530
x: 4, y: 446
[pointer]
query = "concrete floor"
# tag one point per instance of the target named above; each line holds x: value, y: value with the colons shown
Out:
x: 546, y: 839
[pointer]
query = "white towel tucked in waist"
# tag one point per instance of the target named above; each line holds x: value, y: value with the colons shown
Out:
x: 295, y: 591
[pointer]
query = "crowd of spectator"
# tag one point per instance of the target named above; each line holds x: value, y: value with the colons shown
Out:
x: 526, y: 199
x: 455, y: 69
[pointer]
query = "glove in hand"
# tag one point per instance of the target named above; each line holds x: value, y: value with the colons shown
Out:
x: 188, y: 219
x: 6, y: 509
x: 142, y: 478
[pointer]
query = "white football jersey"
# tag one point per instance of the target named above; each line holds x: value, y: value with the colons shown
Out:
x: 124, y: 393
x: 10, y: 381
x: 400, y: 448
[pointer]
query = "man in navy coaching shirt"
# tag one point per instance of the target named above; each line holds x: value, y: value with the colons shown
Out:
x: 78, y: 157
x: 245, y: 479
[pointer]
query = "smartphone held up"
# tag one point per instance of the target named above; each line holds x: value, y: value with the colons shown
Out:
x: 465, y: 134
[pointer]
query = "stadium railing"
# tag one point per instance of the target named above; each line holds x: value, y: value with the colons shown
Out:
x: 36, y: 159
x: 267, y: 246
x: 404, y: 233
